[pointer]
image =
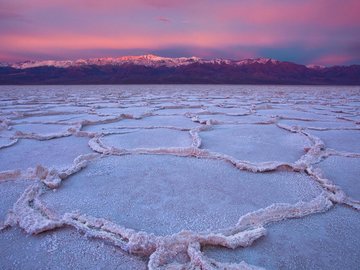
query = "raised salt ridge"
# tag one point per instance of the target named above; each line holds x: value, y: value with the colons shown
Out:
x: 165, y: 194
x: 179, y: 177
x: 308, y: 243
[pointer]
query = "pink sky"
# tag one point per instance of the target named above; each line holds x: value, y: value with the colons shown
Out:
x: 316, y: 31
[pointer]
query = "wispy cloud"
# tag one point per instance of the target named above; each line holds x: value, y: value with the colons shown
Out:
x: 163, y: 19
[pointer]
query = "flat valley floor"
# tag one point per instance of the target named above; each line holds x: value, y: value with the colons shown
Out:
x: 179, y: 177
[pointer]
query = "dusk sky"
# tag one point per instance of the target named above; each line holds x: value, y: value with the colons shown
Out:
x: 325, y: 32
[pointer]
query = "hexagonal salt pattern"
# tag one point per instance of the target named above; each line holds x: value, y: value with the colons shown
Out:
x: 179, y: 177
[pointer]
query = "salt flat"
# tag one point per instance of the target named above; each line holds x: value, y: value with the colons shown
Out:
x: 179, y: 177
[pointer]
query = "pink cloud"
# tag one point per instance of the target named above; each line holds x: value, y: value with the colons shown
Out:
x: 130, y: 40
x: 164, y: 19
x: 317, y: 12
x: 332, y: 59
x: 310, y: 25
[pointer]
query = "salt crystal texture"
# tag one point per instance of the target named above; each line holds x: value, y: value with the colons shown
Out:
x: 179, y: 177
x: 165, y: 194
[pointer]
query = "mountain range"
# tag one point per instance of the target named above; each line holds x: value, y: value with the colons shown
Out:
x: 147, y: 69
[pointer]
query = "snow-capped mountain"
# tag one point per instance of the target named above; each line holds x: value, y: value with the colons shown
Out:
x: 148, y: 60
x: 257, y: 61
x: 146, y: 69
x: 143, y: 60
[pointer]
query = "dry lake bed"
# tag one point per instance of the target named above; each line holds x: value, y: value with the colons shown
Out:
x: 179, y: 177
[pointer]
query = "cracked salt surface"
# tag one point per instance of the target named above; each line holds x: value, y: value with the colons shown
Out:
x: 176, y: 121
x: 41, y: 128
x: 324, y: 241
x: 63, y: 118
x: 134, y: 111
x: 341, y: 140
x: 256, y: 143
x: 345, y: 172
x: 173, y: 110
x: 339, y: 124
x: 293, y: 114
x: 62, y: 249
x: 28, y: 153
x: 231, y: 119
x: 6, y: 141
x: 157, y: 193
x: 149, y: 138
x: 10, y: 191
x: 179, y: 177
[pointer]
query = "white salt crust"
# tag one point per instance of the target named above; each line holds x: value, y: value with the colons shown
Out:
x: 174, y: 121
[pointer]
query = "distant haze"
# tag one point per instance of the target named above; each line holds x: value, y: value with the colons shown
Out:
x: 322, y: 32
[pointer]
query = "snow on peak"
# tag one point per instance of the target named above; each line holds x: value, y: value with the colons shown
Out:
x: 145, y: 60
x: 149, y: 60
x: 49, y: 63
x: 156, y: 61
x: 312, y: 66
x: 257, y: 61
